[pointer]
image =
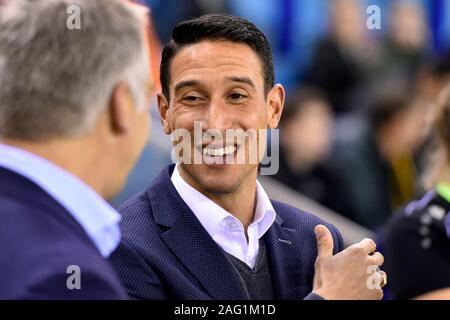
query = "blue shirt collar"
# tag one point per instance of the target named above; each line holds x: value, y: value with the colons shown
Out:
x: 99, y: 219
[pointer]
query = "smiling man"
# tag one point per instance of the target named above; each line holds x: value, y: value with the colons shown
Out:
x: 206, y: 229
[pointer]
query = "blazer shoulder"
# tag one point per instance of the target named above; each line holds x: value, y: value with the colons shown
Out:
x: 305, y: 222
x: 138, y: 226
x: 138, y: 202
x: 294, y: 216
x: 60, y: 243
x: 137, y: 214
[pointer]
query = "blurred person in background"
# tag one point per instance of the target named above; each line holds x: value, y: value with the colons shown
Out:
x: 405, y: 46
x: 432, y: 78
x: 417, y: 243
x: 343, y: 58
x: 375, y: 166
x: 73, y: 121
x: 305, y: 140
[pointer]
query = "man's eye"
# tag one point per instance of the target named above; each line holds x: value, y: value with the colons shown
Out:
x: 237, y: 96
x: 191, y: 98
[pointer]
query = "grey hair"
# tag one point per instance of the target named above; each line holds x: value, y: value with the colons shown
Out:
x: 56, y: 82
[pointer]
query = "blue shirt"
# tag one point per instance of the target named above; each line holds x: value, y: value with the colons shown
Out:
x: 98, y: 218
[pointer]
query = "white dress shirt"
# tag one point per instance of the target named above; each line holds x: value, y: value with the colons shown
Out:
x: 226, y: 230
x: 99, y: 220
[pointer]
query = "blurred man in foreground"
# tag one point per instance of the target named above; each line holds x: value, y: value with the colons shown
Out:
x: 73, y: 120
x: 206, y: 229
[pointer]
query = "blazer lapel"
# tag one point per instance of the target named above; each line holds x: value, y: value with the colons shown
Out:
x: 285, y: 259
x: 191, y: 243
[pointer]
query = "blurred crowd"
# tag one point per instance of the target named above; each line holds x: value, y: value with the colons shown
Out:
x: 356, y: 131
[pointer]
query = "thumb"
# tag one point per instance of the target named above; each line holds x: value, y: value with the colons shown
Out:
x: 324, y: 241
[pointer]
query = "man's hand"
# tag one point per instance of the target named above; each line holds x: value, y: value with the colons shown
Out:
x: 346, y: 275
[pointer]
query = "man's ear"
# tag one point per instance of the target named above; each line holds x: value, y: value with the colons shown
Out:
x: 121, y: 109
x: 275, y: 100
x: 163, y: 107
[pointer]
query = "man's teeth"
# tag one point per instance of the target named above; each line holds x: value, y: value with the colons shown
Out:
x: 219, y: 152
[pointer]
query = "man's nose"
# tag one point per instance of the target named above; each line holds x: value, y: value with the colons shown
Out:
x: 217, y: 116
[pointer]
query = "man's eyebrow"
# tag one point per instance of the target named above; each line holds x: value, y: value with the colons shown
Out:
x: 243, y: 80
x: 186, y: 83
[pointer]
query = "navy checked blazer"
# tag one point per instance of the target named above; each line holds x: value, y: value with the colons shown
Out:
x: 166, y: 253
x: 39, y: 239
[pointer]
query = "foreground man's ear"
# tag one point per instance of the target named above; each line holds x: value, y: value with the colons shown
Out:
x: 163, y: 107
x: 275, y: 102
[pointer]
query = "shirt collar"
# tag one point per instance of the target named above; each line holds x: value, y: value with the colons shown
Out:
x: 202, y: 206
x: 99, y: 219
x: 265, y: 214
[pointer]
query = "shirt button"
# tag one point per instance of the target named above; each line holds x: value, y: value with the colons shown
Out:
x: 233, y: 225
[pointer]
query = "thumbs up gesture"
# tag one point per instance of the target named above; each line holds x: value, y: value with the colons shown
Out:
x: 347, y: 275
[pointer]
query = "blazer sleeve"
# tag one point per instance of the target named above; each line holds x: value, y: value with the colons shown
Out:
x: 136, y: 274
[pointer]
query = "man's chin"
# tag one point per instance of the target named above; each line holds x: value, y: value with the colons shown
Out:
x: 220, y: 188
x: 225, y: 179
x: 222, y: 183
x: 218, y: 182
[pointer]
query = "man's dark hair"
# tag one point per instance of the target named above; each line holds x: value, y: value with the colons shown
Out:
x: 217, y: 27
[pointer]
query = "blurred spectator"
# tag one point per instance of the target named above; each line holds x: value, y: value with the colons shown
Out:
x: 344, y: 57
x: 405, y: 46
x: 376, y: 165
x: 305, y: 140
x: 417, y: 243
x: 431, y: 80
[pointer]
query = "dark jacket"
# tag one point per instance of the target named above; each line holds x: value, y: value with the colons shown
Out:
x: 167, y: 254
x: 39, y: 240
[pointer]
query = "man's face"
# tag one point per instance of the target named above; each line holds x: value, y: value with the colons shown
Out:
x: 221, y: 84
